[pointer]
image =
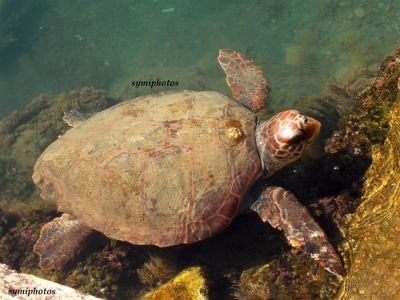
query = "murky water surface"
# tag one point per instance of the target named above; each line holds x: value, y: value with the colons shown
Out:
x: 52, y: 46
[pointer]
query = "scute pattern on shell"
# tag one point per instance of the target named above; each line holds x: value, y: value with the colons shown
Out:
x: 154, y: 170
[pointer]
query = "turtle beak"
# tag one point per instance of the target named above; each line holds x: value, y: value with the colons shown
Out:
x: 312, y: 129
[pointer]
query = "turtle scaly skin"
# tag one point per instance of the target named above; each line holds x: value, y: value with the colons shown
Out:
x: 283, y: 139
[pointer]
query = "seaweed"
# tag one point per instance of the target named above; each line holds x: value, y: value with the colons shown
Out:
x: 366, y: 124
x: 289, y: 276
x: 107, y: 269
x: 156, y: 271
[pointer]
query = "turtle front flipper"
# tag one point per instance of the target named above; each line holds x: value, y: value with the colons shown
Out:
x: 246, y: 80
x: 283, y: 211
x: 60, y: 240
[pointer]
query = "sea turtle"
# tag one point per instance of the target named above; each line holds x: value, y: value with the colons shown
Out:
x: 174, y: 168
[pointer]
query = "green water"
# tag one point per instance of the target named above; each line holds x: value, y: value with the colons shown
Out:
x: 53, y: 46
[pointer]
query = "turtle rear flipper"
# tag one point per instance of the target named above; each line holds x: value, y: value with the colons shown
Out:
x: 283, y: 211
x: 245, y: 79
x: 60, y: 240
x: 74, y: 117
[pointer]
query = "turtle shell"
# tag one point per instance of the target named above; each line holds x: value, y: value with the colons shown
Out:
x: 162, y: 169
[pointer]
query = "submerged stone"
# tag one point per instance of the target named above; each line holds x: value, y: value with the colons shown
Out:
x: 291, y: 276
x: 189, y: 284
x: 14, y: 285
x: 374, y: 271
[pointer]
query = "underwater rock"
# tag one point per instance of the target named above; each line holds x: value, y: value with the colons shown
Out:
x: 252, y: 285
x: 374, y: 271
x: 291, y: 276
x: 366, y: 123
x: 364, y: 106
x: 190, y: 284
x: 19, y: 284
x: 106, y: 269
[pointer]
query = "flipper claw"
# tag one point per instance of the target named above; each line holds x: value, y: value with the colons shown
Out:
x: 283, y: 211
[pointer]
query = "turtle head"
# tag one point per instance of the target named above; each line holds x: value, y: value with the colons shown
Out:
x: 283, y: 139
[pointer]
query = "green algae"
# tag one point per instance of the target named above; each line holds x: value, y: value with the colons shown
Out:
x: 107, y: 271
x: 156, y: 270
x: 291, y: 276
x: 367, y: 123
